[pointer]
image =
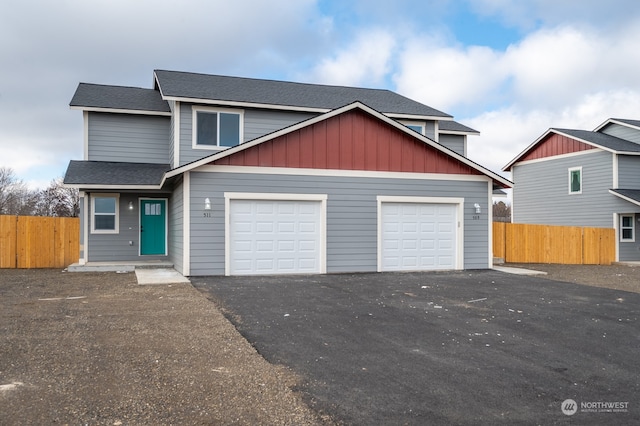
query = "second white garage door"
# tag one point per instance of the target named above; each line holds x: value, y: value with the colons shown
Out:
x: 274, y: 237
x: 418, y: 236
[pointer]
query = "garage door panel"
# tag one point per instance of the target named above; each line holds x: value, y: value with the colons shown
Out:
x: 418, y: 236
x: 274, y: 237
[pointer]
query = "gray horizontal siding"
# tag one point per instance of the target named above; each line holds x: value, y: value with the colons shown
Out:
x: 541, y: 192
x: 257, y: 123
x: 628, y: 172
x: 115, y: 247
x: 128, y: 138
x: 630, y: 251
x: 455, y: 143
x: 622, y: 132
x: 176, y: 227
x: 351, y: 215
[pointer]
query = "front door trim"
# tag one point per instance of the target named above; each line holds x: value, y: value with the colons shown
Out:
x: 166, y: 224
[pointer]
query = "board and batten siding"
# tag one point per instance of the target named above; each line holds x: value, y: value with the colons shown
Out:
x: 622, y: 132
x: 115, y: 247
x: 257, y: 123
x: 541, y: 194
x: 128, y: 138
x: 351, y: 215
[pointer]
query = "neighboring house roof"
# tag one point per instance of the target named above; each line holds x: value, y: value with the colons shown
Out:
x: 621, y: 121
x: 107, y: 174
x: 454, y: 127
x: 631, y: 195
x: 590, y: 138
x: 241, y: 91
x: 100, y: 97
x: 602, y: 140
x: 439, y: 153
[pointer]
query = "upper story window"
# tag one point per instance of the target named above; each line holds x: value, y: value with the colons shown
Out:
x: 216, y: 128
x: 105, y: 214
x: 415, y: 126
x: 575, y: 180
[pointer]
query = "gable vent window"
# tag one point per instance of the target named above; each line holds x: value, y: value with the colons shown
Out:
x: 575, y: 180
x: 216, y: 128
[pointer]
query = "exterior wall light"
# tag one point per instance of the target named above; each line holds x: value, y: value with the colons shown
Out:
x: 130, y: 205
x: 478, y: 209
x: 207, y: 204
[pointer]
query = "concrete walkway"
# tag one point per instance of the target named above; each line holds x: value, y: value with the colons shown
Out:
x: 160, y: 276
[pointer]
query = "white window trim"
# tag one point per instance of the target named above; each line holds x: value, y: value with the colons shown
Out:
x: 194, y: 126
x: 633, y: 228
x: 116, y: 229
x: 421, y: 124
x: 229, y: 196
x: 459, y: 202
x: 573, y: 169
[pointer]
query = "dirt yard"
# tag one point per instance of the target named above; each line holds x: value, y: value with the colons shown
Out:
x: 618, y: 276
x: 97, y: 348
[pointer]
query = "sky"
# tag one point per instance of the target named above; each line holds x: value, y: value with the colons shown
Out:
x: 509, y: 69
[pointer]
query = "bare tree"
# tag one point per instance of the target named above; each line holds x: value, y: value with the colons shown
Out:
x: 501, y: 212
x: 58, y: 200
x: 15, y: 196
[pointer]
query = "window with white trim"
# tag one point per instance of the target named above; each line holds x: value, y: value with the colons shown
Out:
x: 216, y: 128
x: 416, y: 126
x: 627, y: 228
x: 105, y: 215
x: 575, y: 180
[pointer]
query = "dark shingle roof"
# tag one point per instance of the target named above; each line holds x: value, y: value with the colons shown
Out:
x: 113, y: 173
x: 632, y: 194
x: 454, y: 126
x: 271, y: 92
x: 118, y: 97
x: 603, y: 140
x: 635, y: 123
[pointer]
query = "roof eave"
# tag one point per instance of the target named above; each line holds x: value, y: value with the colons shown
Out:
x: 120, y: 110
x: 631, y: 200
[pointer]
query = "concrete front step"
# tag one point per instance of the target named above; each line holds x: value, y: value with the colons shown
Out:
x: 119, y: 266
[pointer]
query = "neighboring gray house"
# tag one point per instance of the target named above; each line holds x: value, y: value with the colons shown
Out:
x: 229, y: 176
x: 583, y: 178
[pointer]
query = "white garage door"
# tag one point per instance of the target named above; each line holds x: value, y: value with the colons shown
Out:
x: 418, y: 236
x: 274, y: 237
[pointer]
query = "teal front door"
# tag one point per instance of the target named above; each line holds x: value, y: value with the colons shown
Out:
x: 153, y: 227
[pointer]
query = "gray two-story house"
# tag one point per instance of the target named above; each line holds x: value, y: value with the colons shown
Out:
x: 583, y: 178
x: 230, y: 176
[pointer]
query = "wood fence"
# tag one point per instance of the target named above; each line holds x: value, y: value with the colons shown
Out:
x: 569, y: 245
x: 39, y: 242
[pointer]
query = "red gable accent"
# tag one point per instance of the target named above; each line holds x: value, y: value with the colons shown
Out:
x: 555, y: 144
x: 353, y: 140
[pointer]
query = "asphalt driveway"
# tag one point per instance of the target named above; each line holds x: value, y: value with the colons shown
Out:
x: 478, y: 347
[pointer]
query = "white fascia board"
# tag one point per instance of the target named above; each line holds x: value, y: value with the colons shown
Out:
x: 122, y: 111
x: 243, y: 104
x: 614, y: 121
x: 457, y: 132
x: 417, y: 117
x: 341, y: 173
x: 113, y: 187
x: 328, y: 115
x: 631, y: 200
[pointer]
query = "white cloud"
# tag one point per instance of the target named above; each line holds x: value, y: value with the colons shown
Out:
x: 443, y: 76
x: 364, y: 62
